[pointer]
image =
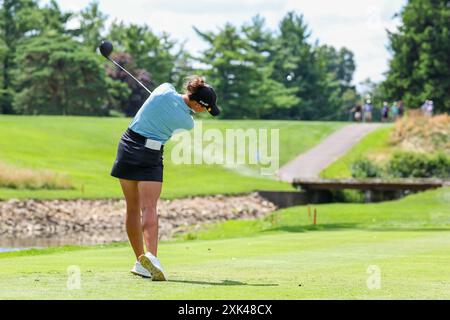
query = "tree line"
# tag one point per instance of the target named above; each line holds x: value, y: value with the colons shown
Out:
x: 419, y: 69
x: 49, y: 67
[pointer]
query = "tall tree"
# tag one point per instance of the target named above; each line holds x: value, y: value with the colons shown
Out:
x: 182, y: 68
x: 338, y: 66
x: 150, y: 52
x: 272, y: 96
x: 66, y: 78
x: 53, y: 18
x: 241, y: 71
x: 92, y: 25
x: 129, y: 103
x: 296, y: 67
x: 420, y: 68
x: 229, y: 72
x: 18, y: 18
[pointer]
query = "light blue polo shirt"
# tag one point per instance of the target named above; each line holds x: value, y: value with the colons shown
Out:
x: 161, y: 114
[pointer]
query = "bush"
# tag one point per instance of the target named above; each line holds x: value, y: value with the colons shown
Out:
x: 364, y: 168
x: 404, y: 165
x: 416, y: 165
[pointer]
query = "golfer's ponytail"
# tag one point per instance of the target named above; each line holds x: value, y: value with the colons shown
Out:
x: 193, y: 83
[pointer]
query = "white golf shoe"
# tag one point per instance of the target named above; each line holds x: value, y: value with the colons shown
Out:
x: 152, y: 264
x: 139, y: 270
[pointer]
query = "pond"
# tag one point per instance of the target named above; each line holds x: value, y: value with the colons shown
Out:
x: 80, y: 238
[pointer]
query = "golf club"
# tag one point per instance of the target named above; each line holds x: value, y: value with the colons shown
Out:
x: 106, y: 48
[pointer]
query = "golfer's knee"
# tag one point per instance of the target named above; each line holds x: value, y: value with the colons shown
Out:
x: 149, y: 217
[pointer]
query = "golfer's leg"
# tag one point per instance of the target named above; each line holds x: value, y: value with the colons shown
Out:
x: 133, y: 216
x: 149, y: 192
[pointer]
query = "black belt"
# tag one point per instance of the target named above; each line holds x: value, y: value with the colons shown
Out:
x: 140, y: 138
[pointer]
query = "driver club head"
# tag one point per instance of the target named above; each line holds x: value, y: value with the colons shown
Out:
x: 106, y: 48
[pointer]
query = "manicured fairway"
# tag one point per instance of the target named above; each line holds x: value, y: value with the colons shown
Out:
x: 311, y: 265
x: 280, y: 257
x: 84, y: 148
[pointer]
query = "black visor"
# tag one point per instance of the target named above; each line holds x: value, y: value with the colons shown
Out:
x: 207, y: 97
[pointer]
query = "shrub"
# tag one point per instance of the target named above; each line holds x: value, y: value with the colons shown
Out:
x: 364, y: 168
x: 404, y: 165
x: 417, y: 165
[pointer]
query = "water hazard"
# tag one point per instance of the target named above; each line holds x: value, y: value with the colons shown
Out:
x: 15, y: 244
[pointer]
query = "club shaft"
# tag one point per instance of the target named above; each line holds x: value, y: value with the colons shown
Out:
x: 129, y: 74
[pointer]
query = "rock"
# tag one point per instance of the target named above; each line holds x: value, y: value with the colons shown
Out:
x: 100, y: 221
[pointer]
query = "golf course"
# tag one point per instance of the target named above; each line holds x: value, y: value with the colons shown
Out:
x: 230, y: 152
x: 403, y: 243
x: 84, y: 148
x: 280, y: 257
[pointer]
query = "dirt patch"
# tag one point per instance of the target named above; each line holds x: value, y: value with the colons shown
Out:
x: 100, y: 221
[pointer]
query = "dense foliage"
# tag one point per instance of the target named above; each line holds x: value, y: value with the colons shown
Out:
x: 49, y: 68
x: 420, y: 67
x: 404, y: 165
x: 258, y: 72
x: 417, y: 165
x: 60, y: 70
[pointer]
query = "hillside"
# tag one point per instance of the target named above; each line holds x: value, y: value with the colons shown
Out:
x: 83, y: 149
x: 414, y: 134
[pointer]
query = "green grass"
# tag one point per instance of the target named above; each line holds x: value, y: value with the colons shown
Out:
x: 283, y: 257
x: 376, y: 142
x: 421, y: 212
x: 84, y: 148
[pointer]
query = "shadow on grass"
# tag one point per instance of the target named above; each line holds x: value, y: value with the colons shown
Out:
x: 354, y: 226
x: 225, y: 283
x: 430, y: 229
x: 318, y: 227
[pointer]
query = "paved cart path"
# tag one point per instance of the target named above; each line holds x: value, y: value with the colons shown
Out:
x: 311, y: 163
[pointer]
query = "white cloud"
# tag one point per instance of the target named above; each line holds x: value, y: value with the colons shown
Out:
x: 213, y: 7
x: 358, y: 25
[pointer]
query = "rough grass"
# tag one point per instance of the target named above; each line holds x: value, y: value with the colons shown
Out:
x: 84, y: 148
x: 20, y: 178
x: 419, y: 133
x: 424, y: 211
x: 407, y: 241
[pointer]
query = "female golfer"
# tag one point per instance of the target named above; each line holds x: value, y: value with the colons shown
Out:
x: 139, y: 163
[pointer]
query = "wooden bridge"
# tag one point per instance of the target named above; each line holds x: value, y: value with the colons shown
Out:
x: 375, y: 190
x: 370, y: 184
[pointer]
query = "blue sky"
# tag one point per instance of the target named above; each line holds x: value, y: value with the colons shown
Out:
x: 358, y: 25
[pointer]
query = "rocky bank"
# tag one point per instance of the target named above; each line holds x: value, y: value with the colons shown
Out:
x: 98, y: 221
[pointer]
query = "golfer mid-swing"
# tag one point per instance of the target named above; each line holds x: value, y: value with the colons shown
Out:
x: 139, y: 163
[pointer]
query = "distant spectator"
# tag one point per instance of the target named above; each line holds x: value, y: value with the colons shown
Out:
x: 424, y: 107
x: 367, y: 111
x: 430, y: 108
x: 427, y: 108
x: 394, y: 111
x: 358, y: 113
x: 385, y: 112
x: 401, y: 109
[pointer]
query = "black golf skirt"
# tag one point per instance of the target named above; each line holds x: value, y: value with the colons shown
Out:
x: 135, y: 161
